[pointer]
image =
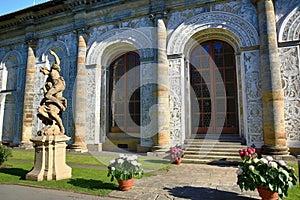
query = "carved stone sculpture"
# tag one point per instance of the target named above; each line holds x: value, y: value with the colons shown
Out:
x: 50, y: 142
x: 53, y: 102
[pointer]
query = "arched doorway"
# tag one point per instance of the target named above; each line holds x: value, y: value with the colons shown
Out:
x: 119, y: 118
x: 224, y: 59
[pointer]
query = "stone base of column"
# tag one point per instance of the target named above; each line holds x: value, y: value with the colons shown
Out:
x: 78, y: 145
x: 50, y: 158
x: 274, y: 150
x: 159, y: 151
x: 26, y: 145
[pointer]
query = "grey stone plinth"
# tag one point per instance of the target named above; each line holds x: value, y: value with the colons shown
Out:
x: 50, y: 158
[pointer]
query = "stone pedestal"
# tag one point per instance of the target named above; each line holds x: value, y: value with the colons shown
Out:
x: 50, y: 158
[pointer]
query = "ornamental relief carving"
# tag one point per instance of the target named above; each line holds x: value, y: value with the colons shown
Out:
x: 253, y: 96
x: 175, y: 100
x: 283, y: 6
x: 235, y: 26
x: 179, y: 17
x: 290, y: 82
x: 289, y: 29
x: 244, y: 9
x: 90, y: 105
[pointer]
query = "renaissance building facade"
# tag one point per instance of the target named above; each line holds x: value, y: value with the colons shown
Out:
x: 145, y: 75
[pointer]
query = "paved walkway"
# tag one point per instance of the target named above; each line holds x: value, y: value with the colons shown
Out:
x: 185, y: 181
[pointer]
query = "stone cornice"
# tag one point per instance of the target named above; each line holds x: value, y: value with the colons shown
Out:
x: 33, y: 14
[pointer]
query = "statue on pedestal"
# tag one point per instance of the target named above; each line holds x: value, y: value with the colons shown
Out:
x: 50, y: 142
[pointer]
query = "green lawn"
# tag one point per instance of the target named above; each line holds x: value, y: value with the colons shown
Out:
x: 85, y: 178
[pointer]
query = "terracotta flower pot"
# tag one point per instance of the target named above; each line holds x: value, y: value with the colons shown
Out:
x: 125, y: 185
x: 178, y: 161
x: 267, y: 194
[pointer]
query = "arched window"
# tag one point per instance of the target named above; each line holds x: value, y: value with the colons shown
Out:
x: 224, y: 58
x: 119, y: 109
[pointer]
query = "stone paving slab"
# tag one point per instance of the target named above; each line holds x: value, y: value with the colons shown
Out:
x: 185, y: 181
x: 189, y: 181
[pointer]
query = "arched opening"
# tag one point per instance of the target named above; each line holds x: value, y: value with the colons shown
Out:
x: 223, y: 57
x: 122, y: 84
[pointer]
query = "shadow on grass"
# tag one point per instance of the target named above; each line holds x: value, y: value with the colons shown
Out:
x: 157, y: 161
x: 92, y: 184
x: 15, y: 172
x: 196, y: 193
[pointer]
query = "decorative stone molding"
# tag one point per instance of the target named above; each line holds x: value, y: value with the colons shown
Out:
x: 290, y: 82
x: 283, y: 7
x: 233, y: 24
x: 290, y: 29
x: 252, y: 89
x: 114, y: 43
x: 244, y: 8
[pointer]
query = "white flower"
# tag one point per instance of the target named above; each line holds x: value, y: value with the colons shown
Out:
x: 282, y: 163
x: 290, y: 178
x: 272, y: 164
x: 263, y: 160
x: 120, y: 161
x: 255, y: 160
x: 285, y: 172
x: 251, y: 167
x: 239, y: 171
x: 269, y: 158
x: 113, y: 168
x: 122, y: 155
x: 134, y: 162
x: 112, y: 162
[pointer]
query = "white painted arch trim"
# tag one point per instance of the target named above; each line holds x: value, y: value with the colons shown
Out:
x: 239, y: 29
x: 115, y: 42
x: 290, y: 27
x: 15, y: 54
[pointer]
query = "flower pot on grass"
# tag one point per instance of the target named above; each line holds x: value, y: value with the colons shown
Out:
x: 124, y: 169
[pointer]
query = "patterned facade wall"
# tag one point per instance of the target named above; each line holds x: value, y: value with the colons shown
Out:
x: 177, y: 107
x: 232, y: 21
x: 291, y: 82
x: 288, y: 19
x: 252, y: 93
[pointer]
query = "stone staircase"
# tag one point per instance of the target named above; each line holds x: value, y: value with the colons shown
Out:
x: 213, y: 149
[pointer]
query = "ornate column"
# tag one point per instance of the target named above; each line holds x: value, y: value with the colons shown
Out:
x: 28, y: 100
x: 162, y: 139
x: 272, y: 92
x: 80, y: 99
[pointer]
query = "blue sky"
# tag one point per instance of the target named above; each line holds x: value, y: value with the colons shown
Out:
x: 8, y: 6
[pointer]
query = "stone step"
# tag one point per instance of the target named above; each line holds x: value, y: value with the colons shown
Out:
x: 209, y: 161
x: 197, y: 149
x: 215, y: 157
x: 229, y: 141
x: 221, y: 146
x: 224, y: 153
x: 215, y: 136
